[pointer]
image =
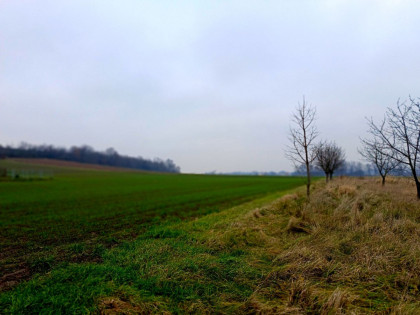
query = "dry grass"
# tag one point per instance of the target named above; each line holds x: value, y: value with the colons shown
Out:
x: 353, y: 249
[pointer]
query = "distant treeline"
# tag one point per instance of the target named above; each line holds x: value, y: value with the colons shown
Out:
x: 252, y: 173
x: 86, y: 154
x: 349, y: 168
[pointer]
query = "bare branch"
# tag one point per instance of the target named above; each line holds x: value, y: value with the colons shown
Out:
x: 302, y: 137
x: 396, y: 138
x: 329, y: 158
x: 372, y: 151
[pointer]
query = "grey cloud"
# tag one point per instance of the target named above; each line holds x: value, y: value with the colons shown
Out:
x: 209, y: 84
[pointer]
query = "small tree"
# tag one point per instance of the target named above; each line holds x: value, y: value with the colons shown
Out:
x: 302, y: 137
x: 329, y: 157
x: 372, y: 152
x: 399, y: 136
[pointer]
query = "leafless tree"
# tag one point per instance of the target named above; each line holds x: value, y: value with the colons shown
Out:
x: 372, y: 152
x: 302, y: 137
x: 399, y: 136
x: 329, y: 157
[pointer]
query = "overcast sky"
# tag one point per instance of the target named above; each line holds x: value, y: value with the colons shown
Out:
x: 209, y: 84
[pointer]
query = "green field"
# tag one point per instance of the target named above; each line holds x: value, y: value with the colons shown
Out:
x: 120, y: 242
x: 78, y: 215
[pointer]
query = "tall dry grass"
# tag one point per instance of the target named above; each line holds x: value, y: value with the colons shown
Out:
x: 353, y: 249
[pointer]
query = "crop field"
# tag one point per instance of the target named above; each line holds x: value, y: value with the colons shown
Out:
x: 79, y: 213
x: 115, y: 242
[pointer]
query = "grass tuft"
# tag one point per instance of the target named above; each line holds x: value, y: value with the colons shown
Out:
x: 297, y: 225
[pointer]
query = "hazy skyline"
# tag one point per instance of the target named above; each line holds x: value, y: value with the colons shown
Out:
x: 211, y: 85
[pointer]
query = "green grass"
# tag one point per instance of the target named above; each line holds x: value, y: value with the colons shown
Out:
x: 78, y: 214
x: 175, y: 267
x: 352, y: 248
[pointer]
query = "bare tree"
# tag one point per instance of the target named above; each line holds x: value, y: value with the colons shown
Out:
x: 329, y: 157
x: 302, y: 137
x: 372, y: 152
x: 399, y: 136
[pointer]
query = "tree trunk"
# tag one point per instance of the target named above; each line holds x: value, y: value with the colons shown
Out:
x: 416, y: 179
x: 383, y: 180
x: 327, y: 177
x: 308, y: 183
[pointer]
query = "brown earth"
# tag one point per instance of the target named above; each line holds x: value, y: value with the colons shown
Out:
x: 74, y: 165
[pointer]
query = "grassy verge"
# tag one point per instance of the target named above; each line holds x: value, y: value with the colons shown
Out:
x: 354, y: 248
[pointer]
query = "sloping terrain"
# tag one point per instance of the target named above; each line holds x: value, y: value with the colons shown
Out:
x: 353, y: 249
x: 78, y: 214
x: 60, y: 164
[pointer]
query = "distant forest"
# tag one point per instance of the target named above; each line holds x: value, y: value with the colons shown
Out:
x: 86, y: 154
x: 349, y: 168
